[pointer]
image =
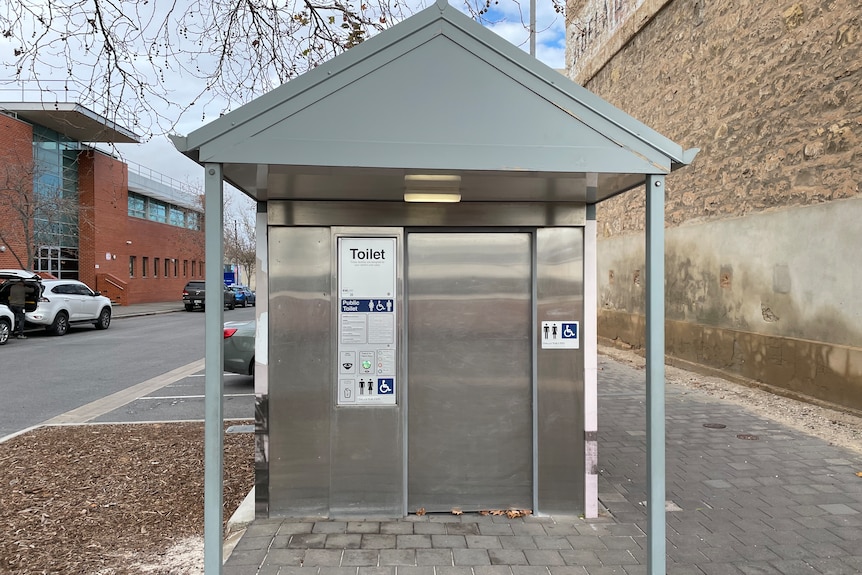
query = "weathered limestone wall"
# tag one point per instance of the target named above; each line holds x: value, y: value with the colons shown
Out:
x: 765, y: 226
x: 771, y: 297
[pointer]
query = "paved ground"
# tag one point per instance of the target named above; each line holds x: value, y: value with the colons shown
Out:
x: 752, y: 497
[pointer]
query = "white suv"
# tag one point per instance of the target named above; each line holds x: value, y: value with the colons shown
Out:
x: 65, y: 302
x: 7, y: 318
x: 7, y: 322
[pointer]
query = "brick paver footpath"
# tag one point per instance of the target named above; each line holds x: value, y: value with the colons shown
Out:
x: 745, y: 495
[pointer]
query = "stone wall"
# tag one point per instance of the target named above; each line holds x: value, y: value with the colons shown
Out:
x: 765, y: 223
x: 770, y: 92
x: 770, y: 297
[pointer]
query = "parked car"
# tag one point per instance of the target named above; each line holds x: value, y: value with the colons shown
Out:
x: 67, y: 302
x: 239, y: 347
x: 194, y: 294
x: 7, y: 323
x: 244, y: 296
x: 7, y: 318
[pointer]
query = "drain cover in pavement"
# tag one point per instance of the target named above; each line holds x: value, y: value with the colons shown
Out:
x: 714, y: 425
x: 747, y: 436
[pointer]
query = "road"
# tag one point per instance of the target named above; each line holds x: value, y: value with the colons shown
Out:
x: 149, y: 368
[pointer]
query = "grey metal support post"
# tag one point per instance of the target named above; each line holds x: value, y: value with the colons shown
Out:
x: 214, y: 364
x: 656, y: 552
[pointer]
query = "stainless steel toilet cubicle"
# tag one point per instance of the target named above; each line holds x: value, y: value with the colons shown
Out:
x: 432, y: 367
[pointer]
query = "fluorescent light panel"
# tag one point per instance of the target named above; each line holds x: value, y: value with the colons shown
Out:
x: 432, y: 188
x: 432, y: 197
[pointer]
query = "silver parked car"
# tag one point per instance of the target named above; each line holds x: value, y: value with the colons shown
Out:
x: 239, y: 347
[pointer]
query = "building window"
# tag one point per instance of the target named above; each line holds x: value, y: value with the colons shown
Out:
x: 162, y: 212
x: 158, y: 211
x: 178, y: 217
x: 194, y: 268
x: 137, y: 206
x: 146, y: 264
x: 176, y: 267
x: 167, y: 267
x: 185, y: 268
x: 132, y: 263
x: 156, y: 267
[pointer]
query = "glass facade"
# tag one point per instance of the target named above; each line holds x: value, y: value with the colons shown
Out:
x: 56, y: 209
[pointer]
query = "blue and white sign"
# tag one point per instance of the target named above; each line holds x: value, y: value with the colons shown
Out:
x: 367, y: 305
x: 385, y: 385
x: 560, y: 335
x: 367, y: 322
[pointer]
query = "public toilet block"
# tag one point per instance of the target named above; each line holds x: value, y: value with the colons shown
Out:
x: 426, y: 317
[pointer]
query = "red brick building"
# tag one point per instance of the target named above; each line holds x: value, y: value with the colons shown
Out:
x: 72, y: 211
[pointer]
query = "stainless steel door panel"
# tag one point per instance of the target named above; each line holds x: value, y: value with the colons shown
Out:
x: 300, y: 393
x: 367, y: 476
x: 560, y: 374
x: 469, y: 374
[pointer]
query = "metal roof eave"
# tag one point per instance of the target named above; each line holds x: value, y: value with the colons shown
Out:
x: 72, y: 120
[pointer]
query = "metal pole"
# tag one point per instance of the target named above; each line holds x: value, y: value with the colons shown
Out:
x: 533, y: 28
x: 656, y: 552
x: 214, y: 363
x: 237, y: 277
x: 591, y: 363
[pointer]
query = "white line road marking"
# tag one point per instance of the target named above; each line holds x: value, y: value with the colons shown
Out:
x: 114, y: 401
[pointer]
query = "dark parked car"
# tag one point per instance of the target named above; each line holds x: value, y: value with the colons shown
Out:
x: 194, y: 294
x: 244, y: 296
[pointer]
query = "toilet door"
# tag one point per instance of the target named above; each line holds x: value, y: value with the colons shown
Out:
x: 469, y: 401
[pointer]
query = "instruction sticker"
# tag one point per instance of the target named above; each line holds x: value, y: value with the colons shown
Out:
x: 560, y: 335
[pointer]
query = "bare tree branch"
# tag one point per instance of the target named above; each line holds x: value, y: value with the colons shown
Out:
x: 147, y: 64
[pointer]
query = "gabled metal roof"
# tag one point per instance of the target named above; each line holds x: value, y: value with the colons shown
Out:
x: 435, y: 94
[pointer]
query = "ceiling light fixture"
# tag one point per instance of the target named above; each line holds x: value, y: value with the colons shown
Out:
x: 432, y: 188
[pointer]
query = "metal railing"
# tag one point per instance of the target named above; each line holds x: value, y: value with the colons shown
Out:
x: 62, y: 92
x: 12, y: 90
x: 190, y: 190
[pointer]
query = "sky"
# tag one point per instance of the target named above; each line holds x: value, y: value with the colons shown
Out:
x: 504, y: 18
x: 159, y: 153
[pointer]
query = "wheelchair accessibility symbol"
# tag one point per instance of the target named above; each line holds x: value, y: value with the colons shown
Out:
x: 385, y: 386
x: 560, y: 335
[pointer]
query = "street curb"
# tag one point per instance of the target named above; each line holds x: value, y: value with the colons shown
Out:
x: 144, y: 313
x: 237, y: 524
